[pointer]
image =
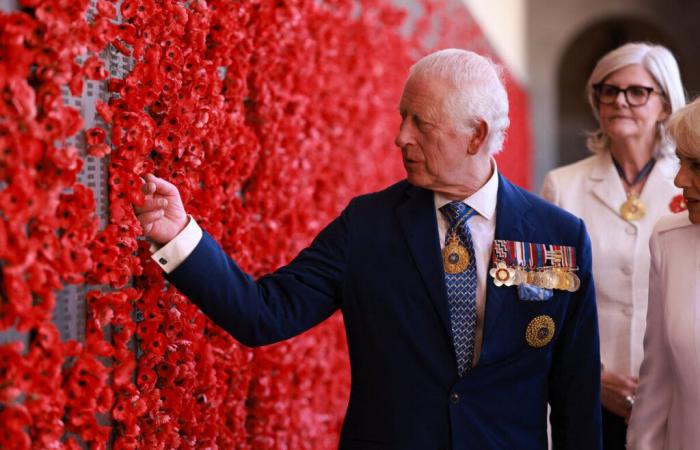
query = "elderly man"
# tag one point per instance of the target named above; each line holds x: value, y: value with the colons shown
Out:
x: 468, y: 302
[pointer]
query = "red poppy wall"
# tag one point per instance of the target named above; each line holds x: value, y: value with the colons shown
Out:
x: 269, y: 116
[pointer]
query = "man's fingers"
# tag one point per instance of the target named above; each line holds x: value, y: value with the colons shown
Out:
x: 159, y: 186
x: 147, y: 228
x: 149, y: 217
x: 151, y: 203
x: 148, y: 188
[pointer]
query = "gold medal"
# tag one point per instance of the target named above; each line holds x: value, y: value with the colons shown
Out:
x: 520, y: 276
x: 455, y: 257
x: 533, y: 277
x: 562, y: 280
x: 575, y: 282
x: 549, y: 279
x: 540, y: 331
x: 633, y: 208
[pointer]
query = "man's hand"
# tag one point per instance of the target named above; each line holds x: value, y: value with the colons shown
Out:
x: 615, y: 390
x: 162, y: 215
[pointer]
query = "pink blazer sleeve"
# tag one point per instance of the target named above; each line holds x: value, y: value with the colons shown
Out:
x: 647, y: 428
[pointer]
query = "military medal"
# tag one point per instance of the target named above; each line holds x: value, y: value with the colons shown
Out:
x: 503, y: 275
x: 549, y: 279
x: 633, y: 208
x: 520, y: 276
x: 539, y: 267
x: 540, y: 331
x: 575, y: 282
x: 564, y: 281
x: 455, y: 257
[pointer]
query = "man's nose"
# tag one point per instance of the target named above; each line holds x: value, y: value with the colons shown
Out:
x: 403, y: 136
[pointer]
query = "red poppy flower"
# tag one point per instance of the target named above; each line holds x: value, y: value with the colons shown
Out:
x: 94, y: 69
x: 20, y: 98
x: 95, y: 135
x: 15, y: 419
x: 106, y: 9
x: 104, y: 111
x: 678, y: 204
x: 123, y: 372
x: 146, y: 379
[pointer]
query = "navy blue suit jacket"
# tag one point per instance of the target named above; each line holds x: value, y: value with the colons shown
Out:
x: 380, y: 263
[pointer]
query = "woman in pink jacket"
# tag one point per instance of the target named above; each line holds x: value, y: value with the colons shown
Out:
x: 666, y: 415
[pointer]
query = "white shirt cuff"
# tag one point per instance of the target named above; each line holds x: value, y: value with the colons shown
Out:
x: 172, y: 254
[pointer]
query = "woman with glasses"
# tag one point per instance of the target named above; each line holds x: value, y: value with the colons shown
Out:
x: 620, y: 192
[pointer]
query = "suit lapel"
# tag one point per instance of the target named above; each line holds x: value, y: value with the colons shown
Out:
x: 659, y: 189
x: 607, y: 186
x: 419, y: 224
x: 511, y: 224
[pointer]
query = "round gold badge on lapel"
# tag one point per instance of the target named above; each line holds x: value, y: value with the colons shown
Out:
x: 540, y: 331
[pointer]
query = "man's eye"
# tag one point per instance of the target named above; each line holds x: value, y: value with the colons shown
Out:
x: 420, y: 123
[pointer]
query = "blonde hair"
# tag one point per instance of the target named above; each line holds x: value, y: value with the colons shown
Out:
x: 661, y: 65
x: 684, y: 129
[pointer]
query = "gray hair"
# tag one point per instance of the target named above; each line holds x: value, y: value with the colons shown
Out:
x: 684, y: 128
x: 660, y: 64
x: 479, y: 93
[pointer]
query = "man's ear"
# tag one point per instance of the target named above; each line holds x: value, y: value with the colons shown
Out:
x: 479, y: 133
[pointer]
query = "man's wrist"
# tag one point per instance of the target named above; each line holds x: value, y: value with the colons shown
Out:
x: 170, y: 255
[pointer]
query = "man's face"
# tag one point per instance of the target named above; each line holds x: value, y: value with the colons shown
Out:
x: 688, y: 179
x: 434, y: 154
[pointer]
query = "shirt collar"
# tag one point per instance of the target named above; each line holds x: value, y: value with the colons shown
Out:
x: 482, y: 201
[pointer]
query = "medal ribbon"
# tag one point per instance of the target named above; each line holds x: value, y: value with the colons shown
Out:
x: 531, y: 256
x: 640, y: 176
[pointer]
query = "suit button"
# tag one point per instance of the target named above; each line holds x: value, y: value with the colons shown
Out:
x: 627, y: 270
x: 454, y: 397
x: 631, y: 229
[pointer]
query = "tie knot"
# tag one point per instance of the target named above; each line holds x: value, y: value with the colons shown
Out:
x: 456, y: 212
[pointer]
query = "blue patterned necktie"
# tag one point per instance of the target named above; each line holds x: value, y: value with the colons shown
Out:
x: 460, y: 282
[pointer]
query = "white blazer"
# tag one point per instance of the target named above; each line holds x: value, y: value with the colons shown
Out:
x: 592, y: 190
x: 666, y: 415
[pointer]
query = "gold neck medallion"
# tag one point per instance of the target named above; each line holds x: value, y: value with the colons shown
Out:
x: 455, y: 257
x: 633, y: 208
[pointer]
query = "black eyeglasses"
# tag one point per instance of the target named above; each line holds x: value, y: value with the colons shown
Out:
x: 635, y: 95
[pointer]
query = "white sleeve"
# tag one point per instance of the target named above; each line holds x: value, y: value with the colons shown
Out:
x: 178, y: 249
x: 647, y: 428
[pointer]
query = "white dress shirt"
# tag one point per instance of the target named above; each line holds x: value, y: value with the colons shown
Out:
x: 177, y: 250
